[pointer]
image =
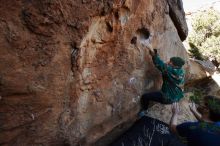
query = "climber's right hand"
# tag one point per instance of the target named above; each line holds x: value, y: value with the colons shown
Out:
x: 151, y: 53
x: 155, y: 51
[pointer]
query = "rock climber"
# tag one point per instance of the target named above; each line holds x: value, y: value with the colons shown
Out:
x: 205, y: 132
x: 173, y: 79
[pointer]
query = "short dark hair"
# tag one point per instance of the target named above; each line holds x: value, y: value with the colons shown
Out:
x: 177, y: 61
x: 213, y: 103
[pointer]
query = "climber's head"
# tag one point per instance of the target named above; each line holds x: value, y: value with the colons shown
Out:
x: 177, y: 62
x: 211, y: 108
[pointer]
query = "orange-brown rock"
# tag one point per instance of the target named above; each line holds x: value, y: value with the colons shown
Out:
x: 69, y: 73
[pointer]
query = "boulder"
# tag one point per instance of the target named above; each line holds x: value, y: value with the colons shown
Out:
x: 164, y: 112
x: 69, y: 73
x: 177, y: 15
x: 196, y: 72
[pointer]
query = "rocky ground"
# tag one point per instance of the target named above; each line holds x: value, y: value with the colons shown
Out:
x: 164, y: 113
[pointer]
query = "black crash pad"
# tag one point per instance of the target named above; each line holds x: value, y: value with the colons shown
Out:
x: 148, y: 132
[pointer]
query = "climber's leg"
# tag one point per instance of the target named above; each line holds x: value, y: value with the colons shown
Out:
x: 152, y: 96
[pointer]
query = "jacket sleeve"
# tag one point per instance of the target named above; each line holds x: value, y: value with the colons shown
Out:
x: 159, y: 63
x: 167, y: 71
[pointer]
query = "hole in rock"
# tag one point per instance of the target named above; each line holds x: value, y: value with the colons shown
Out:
x: 143, y: 35
x: 134, y: 40
x: 116, y: 15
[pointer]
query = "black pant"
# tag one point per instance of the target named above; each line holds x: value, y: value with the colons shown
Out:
x: 153, y: 96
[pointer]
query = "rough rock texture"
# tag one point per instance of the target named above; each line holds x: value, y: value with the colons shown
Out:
x: 164, y: 112
x: 68, y: 71
x: 207, y: 86
x: 177, y: 15
x: 196, y: 72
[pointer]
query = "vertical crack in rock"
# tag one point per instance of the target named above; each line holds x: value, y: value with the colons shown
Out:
x: 74, y: 56
x: 109, y: 26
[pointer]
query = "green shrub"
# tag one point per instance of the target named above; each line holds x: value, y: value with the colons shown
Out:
x: 214, y: 105
x: 197, y: 97
x: 204, y: 40
x: 194, y: 52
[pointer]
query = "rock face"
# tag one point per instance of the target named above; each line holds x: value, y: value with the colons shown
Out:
x: 201, y: 70
x: 69, y: 72
x: 196, y: 72
x: 177, y: 15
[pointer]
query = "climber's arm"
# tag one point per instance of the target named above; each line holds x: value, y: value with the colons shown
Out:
x: 193, y: 109
x: 157, y: 61
x: 173, y: 120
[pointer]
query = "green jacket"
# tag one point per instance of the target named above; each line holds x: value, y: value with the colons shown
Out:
x: 173, y: 79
